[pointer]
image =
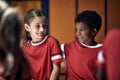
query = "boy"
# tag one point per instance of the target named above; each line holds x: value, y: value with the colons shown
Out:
x: 80, y: 54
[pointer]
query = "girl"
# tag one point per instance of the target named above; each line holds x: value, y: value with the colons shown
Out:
x: 42, y: 51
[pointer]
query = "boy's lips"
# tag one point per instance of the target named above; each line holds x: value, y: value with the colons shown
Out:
x: 79, y: 37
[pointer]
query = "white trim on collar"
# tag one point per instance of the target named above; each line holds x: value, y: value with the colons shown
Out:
x: 35, y: 44
x: 96, y: 46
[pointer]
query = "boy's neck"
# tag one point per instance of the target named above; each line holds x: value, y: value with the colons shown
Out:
x: 92, y: 43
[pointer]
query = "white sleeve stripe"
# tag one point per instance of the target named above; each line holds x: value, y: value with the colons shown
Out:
x: 56, y: 57
x: 100, y: 57
x: 63, y: 51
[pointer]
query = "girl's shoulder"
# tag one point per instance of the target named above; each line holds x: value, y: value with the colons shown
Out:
x: 25, y: 44
x: 51, y: 38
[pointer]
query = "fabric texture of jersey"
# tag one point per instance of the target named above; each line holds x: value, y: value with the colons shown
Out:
x: 111, y: 53
x: 80, y: 61
x: 41, y: 56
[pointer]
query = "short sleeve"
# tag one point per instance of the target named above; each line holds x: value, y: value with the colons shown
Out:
x: 63, y: 50
x: 56, y: 53
x: 100, y: 59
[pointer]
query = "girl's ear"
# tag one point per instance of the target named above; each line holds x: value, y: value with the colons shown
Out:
x: 27, y: 27
x: 94, y: 32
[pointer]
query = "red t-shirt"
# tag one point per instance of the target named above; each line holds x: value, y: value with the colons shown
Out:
x: 1, y: 70
x: 41, y: 56
x: 1, y: 67
x: 80, y: 61
x: 111, y: 55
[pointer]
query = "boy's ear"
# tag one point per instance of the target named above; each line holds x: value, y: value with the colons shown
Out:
x: 94, y: 32
x: 27, y: 28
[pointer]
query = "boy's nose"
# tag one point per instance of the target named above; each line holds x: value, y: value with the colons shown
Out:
x: 78, y: 32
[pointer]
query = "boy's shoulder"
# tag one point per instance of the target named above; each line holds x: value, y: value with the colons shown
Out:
x: 71, y: 43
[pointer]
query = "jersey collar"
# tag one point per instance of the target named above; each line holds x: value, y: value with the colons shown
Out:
x: 35, y: 44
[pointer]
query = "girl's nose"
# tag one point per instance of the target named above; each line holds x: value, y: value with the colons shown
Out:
x: 41, y: 28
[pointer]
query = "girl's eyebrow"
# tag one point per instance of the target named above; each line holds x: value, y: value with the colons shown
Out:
x: 41, y: 23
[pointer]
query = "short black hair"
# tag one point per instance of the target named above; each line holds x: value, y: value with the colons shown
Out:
x: 91, y: 18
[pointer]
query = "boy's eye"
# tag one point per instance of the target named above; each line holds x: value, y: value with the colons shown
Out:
x: 83, y: 29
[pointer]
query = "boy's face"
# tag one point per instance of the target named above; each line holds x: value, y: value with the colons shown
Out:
x: 37, y: 29
x: 83, y: 33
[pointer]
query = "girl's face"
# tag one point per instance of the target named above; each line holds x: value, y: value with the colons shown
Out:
x: 37, y: 29
x: 83, y: 33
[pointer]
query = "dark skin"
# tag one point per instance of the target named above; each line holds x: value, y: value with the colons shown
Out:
x: 84, y: 34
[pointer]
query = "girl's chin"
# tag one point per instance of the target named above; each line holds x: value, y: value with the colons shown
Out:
x: 41, y: 36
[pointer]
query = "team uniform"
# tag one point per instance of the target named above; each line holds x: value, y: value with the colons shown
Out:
x: 1, y: 66
x: 1, y: 78
x: 41, y: 56
x: 110, y: 55
x: 80, y: 61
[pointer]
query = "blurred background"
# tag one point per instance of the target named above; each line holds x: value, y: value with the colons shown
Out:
x: 61, y: 14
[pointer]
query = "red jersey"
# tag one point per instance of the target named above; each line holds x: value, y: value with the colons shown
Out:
x: 1, y: 78
x: 80, y: 61
x: 41, y: 56
x: 1, y: 70
x: 111, y: 55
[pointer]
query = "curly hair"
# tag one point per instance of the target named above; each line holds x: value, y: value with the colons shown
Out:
x: 91, y: 18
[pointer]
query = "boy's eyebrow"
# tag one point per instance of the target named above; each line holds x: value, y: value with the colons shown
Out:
x: 83, y: 27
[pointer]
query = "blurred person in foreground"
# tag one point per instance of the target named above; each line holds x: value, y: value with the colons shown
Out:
x: 3, y: 6
x: 108, y: 58
x: 13, y: 65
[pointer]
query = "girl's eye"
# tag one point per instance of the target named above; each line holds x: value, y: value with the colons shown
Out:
x: 44, y: 26
x: 37, y: 26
